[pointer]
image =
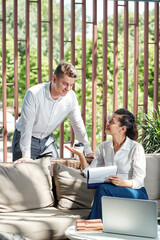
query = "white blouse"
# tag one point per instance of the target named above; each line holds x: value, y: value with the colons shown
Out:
x: 130, y: 160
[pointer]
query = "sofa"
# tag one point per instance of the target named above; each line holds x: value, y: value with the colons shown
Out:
x: 39, y: 200
x: 152, y: 179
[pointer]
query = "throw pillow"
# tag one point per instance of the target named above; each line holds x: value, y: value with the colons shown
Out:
x: 71, y: 188
x: 25, y: 186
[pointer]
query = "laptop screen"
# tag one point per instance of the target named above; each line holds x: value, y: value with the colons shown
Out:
x: 129, y: 216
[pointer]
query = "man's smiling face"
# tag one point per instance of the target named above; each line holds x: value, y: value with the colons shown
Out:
x: 62, y: 85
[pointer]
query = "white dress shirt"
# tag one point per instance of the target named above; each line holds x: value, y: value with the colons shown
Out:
x: 130, y: 160
x: 41, y: 115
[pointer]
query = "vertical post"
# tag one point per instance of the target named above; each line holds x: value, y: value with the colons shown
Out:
x: 72, y: 49
x: 73, y: 32
x: 94, y: 79
x: 50, y: 39
x: 125, y: 86
x: 83, y: 107
x: 15, y: 61
x: 136, y: 51
x: 156, y: 55
x: 115, y: 70
x: 27, y: 47
x: 104, y: 113
x: 61, y: 58
x: 39, y: 40
x: 61, y: 29
x: 146, y: 22
x: 4, y: 94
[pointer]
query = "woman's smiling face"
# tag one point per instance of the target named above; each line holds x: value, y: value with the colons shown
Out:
x: 113, y: 125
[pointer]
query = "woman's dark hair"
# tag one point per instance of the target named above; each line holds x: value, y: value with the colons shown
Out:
x: 127, y: 119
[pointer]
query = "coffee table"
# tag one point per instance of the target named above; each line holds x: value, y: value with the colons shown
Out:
x: 72, y: 234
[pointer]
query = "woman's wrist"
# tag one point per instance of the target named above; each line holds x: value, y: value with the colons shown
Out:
x: 126, y: 183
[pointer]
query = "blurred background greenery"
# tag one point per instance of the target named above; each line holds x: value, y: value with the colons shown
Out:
x: 78, y: 55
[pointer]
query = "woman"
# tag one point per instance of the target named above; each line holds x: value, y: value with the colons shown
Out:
x: 126, y: 153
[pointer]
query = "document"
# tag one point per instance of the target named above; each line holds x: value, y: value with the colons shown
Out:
x: 97, y: 175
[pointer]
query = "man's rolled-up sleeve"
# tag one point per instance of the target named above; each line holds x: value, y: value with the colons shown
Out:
x: 27, y: 120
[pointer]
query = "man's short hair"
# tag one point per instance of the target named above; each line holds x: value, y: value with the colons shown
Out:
x: 65, y: 69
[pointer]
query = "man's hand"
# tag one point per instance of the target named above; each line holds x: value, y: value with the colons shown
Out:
x: 24, y: 159
x: 90, y: 155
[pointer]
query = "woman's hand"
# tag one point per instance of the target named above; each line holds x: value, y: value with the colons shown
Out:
x: 73, y: 150
x: 114, y: 179
x: 24, y: 159
x: 81, y: 156
x: 117, y: 181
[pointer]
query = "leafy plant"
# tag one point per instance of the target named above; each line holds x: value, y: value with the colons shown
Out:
x: 150, y: 131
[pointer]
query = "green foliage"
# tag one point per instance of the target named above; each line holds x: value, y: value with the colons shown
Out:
x: 110, y: 63
x: 78, y: 58
x: 150, y: 135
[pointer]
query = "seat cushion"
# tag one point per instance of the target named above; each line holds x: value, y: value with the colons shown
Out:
x: 25, y: 186
x: 71, y: 188
x: 10, y: 236
x: 41, y: 224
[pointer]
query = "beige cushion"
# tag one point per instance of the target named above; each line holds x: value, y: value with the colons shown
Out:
x: 152, y: 180
x: 71, y: 188
x: 41, y: 224
x: 25, y: 186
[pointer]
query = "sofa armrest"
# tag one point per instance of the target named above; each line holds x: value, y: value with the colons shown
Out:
x: 152, y: 179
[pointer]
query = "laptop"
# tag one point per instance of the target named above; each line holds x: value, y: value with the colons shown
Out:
x: 131, y: 217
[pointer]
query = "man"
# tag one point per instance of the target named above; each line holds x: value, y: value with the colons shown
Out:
x: 44, y: 108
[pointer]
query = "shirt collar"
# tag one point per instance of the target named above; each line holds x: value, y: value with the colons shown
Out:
x: 125, y: 146
x: 48, y: 94
x: 47, y: 90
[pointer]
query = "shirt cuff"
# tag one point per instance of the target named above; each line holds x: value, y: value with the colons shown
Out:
x: 136, y: 184
x: 84, y: 171
x: 87, y: 150
x: 26, y: 153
